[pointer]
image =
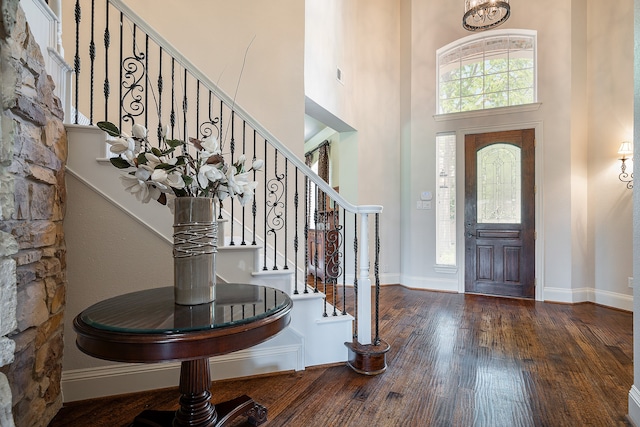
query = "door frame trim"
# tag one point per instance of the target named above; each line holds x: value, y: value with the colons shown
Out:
x: 460, y: 199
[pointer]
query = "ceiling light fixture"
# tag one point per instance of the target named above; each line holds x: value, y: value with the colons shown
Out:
x: 484, y: 14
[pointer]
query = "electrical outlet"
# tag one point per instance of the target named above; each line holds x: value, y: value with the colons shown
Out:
x: 630, y: 282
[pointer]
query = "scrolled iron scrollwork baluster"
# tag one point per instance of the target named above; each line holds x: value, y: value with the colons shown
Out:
x: 134, y: 72
x: 275, y: 207
x: 207, y: 128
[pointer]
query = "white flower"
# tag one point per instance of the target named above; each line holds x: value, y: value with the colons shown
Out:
x: 121, y: 145
x: 139, y: 131
x: 209, y: 173
x: 142, y: 189
x: 152, y: 160
x: 210, y: 146
x: 168, y: 179
x: 257, y: 165
x: 165, y: 170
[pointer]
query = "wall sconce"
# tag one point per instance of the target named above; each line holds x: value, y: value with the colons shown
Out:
x: 626, y: 151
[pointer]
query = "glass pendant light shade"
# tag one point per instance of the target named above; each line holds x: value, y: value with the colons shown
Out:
x: 484, y: 14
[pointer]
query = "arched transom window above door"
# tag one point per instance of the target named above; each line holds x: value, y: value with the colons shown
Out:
x: 489, y: 70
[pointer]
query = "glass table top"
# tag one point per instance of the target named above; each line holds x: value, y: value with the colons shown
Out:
x: 153, y: 311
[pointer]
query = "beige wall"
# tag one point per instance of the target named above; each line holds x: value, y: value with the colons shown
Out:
x: 216, y: 37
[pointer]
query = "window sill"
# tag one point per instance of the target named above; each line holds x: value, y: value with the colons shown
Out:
x: 447, y: 269
x: 488, y: 112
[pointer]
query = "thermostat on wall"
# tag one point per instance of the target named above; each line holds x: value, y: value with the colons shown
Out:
x: 426, y: 195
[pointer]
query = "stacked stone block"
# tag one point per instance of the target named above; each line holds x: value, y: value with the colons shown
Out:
x: 32, y: 248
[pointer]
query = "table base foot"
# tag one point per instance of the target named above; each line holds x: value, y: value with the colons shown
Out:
x: 227, y: 411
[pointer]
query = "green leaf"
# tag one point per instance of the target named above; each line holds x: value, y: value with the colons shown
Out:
x: 173, y: 143
x: 109, y: 128
x: 142, y: 159
x: 180, y: 192
x: 187, y: 180
x: 168, y: 151
x: 156, y: 151
x: 119, y: 162
x: 165, y: 166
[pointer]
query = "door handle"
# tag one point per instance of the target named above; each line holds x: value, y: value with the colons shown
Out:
x: 470, y: 235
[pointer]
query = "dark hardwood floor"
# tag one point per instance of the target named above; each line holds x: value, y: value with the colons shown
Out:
x: 455, y: 360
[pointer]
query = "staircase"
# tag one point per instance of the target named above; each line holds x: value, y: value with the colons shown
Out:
x: 263, y: 244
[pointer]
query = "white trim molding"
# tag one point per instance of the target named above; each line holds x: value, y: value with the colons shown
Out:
x: 633, y: 415
x: 282, y: 353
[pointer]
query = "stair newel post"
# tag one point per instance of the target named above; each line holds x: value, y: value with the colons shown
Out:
x: 364, y: 284
x: 366, y: 357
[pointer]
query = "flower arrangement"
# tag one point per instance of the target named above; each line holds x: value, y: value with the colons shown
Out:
x: 177, y: 168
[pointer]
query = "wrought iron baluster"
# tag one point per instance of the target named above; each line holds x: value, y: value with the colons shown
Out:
x: 198, y: 134
x: 121, y: 70
x: 244, y: 152
x: 376, y: 265
x: 92, y: 60
x: 286, y: 211
x: 160, y: 87
x: 172, y: 98
x: 232, y: 148
x: 315, y: 238
x: 355, y: 279
x: 306, y: 232
x: 76, y: 59
x: 295, y: 237
x: 185, y: 108
x: 266, y: 168
x: 344, y: 272
x: 107, y: 44
x: 254, y: 205
x: 146, y: 81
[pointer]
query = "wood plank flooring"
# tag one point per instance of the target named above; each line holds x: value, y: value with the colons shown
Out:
x: 455, y: 360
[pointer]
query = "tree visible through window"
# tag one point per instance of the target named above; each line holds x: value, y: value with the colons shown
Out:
x: 487, y: 71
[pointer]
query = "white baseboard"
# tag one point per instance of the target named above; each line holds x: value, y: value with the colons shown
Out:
x: 633, y: 415
x: 430, y: 283
x: 572, y: 296
x: 280, y: 354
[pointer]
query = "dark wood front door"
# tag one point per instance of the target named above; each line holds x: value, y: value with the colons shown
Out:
x: 500, y: 213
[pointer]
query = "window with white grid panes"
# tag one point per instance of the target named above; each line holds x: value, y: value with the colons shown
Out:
x: 491, y: 70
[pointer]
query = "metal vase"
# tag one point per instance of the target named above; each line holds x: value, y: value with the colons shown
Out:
x: 195, y: 238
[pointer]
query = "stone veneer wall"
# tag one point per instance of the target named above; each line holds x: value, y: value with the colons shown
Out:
x: 33, y: 151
